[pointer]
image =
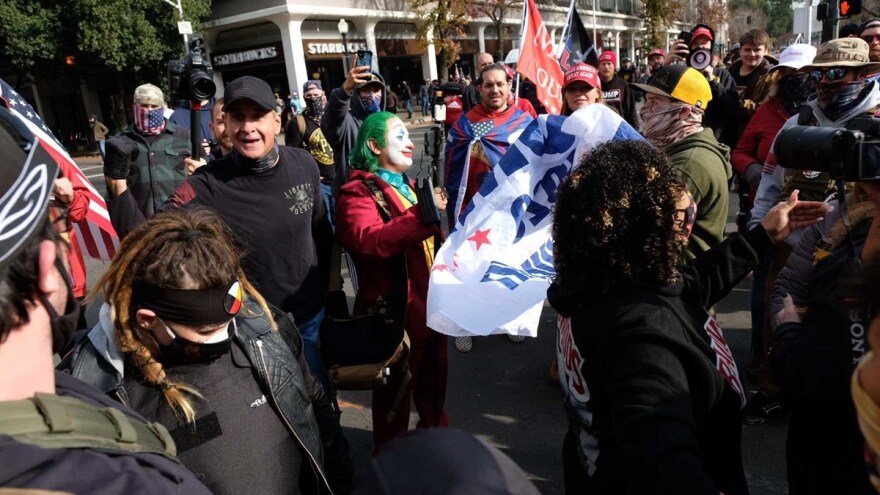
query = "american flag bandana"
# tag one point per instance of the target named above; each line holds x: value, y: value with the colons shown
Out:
x: 149, y: 122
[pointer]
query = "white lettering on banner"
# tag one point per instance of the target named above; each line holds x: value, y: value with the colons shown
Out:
x: 333, y: 48
x: 264, y: 53
x: 857, y: 334
x: 725, y: 364
x: 570, y: 361
x: 611, y: 95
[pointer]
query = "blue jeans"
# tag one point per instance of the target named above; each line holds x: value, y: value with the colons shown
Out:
x: 329, y: 204
x: 101, y: 144
x: 309, y: 331
x: 426, y: 105
x: 408, y: 106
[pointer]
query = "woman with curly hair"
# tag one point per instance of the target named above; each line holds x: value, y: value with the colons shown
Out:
x: 379, y: 224
x: 187, y: 341
x: 650, y: 386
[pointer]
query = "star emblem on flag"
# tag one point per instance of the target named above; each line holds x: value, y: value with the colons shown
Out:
x: 483, y: 128
x: 480, y: 237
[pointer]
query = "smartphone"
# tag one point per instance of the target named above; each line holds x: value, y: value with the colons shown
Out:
x: 686, y: 37
x: 364, y: 57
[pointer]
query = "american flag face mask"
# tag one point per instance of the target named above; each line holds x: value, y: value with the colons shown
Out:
x: 149, y: 121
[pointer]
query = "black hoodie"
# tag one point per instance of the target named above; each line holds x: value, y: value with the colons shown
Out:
x: 651, y: 388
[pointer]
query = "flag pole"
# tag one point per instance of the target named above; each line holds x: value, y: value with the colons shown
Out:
x: 565, y: 30
x: 522, y: 34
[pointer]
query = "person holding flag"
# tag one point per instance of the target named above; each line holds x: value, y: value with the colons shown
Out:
x: 476, y: 143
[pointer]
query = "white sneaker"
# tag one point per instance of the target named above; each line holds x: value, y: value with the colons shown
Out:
x: 516, y: 338
x: 464, y: 344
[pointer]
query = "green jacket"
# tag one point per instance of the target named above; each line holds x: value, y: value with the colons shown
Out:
x: 705, y: 165
x: 153, y: 170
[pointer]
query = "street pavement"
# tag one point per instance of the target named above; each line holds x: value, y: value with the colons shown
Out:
x: 501, y: 390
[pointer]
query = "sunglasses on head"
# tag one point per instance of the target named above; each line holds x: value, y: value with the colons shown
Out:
x: 834, y: 74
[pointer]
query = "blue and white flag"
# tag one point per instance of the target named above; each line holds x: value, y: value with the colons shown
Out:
x: 492, y: 273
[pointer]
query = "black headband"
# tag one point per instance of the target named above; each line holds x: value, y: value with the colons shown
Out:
x: 189, y: 307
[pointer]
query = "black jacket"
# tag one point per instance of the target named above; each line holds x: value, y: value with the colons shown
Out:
x: 619, y: 96
x: 814, y: 361
x: 296, y: 396
x: 651, y: 388
x: 93, y: 471
x: 724, y: 106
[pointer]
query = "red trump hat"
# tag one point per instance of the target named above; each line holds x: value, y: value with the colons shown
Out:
x: 582, y: 72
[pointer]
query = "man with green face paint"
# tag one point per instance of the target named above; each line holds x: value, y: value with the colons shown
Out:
x: 377, y: 236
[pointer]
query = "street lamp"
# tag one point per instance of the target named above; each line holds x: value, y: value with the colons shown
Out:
x: 343, y: 30
x: 609, y: 36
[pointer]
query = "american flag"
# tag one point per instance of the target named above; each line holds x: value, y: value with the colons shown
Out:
x: 95, y: 233
x: 149, y: 120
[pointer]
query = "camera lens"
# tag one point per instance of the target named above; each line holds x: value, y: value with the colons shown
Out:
x: 202, y: 87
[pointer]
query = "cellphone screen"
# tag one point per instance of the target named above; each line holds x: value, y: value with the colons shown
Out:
x: 364, y: 57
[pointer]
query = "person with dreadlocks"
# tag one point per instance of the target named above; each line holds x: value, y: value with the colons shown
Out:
x: 651, y: 388
x: 185, y: 339
x: 378, y: 222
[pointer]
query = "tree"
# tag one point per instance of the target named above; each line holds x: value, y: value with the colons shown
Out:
x: 658, y: 16
x: 445, y: 20
x: 712, y: 12
x: 780, y: 17
x: 29, y: 35
x: 496, y: 11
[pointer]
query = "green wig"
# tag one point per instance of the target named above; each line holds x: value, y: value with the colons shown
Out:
x: 373, y: 127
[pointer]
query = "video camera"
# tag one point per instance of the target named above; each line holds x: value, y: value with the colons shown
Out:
x: 699, y: 58
x: 192, y: 78
x: 848, y: 153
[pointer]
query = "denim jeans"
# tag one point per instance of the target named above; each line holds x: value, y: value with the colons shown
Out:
x: 329, y: 204
x: 309, y: 331
x: 101, y: 144
x: 408, y: 105
x: 426, y: 105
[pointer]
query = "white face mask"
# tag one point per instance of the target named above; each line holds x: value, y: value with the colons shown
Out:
x: 400, y: 147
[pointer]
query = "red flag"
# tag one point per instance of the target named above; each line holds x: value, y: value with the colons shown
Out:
x: 538, y: 62
x: 96, y: 232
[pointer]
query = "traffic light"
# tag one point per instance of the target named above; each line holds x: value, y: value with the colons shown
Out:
x: 848, y: 8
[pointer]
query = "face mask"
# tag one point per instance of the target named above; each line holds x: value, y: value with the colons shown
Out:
x: 371, y: 102
x: 260, y: 164
x: 63, y: 326
x: 316, y: 108
x: 836, y: 99
x: 794, y: 89
x: 183, y: 351
x: 149, y: 122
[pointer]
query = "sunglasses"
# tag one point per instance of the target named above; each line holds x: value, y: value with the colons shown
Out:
x: 870, y: 38
x: 835, y: 74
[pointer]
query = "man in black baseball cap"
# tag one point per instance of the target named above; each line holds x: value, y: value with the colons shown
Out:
x: 54, y: 426
x: 270, y: 196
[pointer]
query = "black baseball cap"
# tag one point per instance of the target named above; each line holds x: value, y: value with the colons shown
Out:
x: 27, y: 173
x: 249, y: 88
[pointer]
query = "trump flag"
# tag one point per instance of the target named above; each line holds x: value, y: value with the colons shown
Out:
x: 538, y: 62
x: 492, y: 273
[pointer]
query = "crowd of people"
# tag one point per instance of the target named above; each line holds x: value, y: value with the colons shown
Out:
x: 204, y: 372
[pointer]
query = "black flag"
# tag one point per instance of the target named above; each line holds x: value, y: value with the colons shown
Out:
x: 578, y: 45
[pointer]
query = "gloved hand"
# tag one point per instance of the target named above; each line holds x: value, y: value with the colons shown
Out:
x: 753, y: 174
x: 122, y: 151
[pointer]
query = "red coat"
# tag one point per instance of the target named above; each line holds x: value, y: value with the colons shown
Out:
x: 754, y: 144
x: 77, y: 210
x: 373, y: 244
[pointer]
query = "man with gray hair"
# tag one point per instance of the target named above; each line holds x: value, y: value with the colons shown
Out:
x: 146, y: 160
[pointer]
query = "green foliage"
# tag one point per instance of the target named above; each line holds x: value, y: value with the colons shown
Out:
x: 780, y: 16
x: 446, y: 19
x: 658, y: 16
x: 125, y: 35
x: 29, y: 33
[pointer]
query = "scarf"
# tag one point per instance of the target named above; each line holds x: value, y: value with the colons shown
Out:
x: 794, y: 89
x: 149, y: 122
x: 837, y: 99
x: 869, y: 100
x: 260, y: 164
x: 315, y: 109
x: 662, y: 126
x: 397, y: 181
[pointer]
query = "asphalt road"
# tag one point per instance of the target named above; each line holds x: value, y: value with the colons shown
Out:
x: 501, y: 392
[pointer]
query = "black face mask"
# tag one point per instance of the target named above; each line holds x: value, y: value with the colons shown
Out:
x: 182, y: 351
x: 316, y: 108
x: 794, y: 89
x: 836, y: 99
x: 63, y: 326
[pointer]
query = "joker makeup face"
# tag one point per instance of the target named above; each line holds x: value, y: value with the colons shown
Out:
x: 397, y: 155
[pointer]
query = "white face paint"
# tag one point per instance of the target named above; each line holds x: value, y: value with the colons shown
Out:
x: 398, y: 152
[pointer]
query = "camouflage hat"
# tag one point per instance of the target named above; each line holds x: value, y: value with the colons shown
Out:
x: 842, y: 52
x: 147, y: 94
